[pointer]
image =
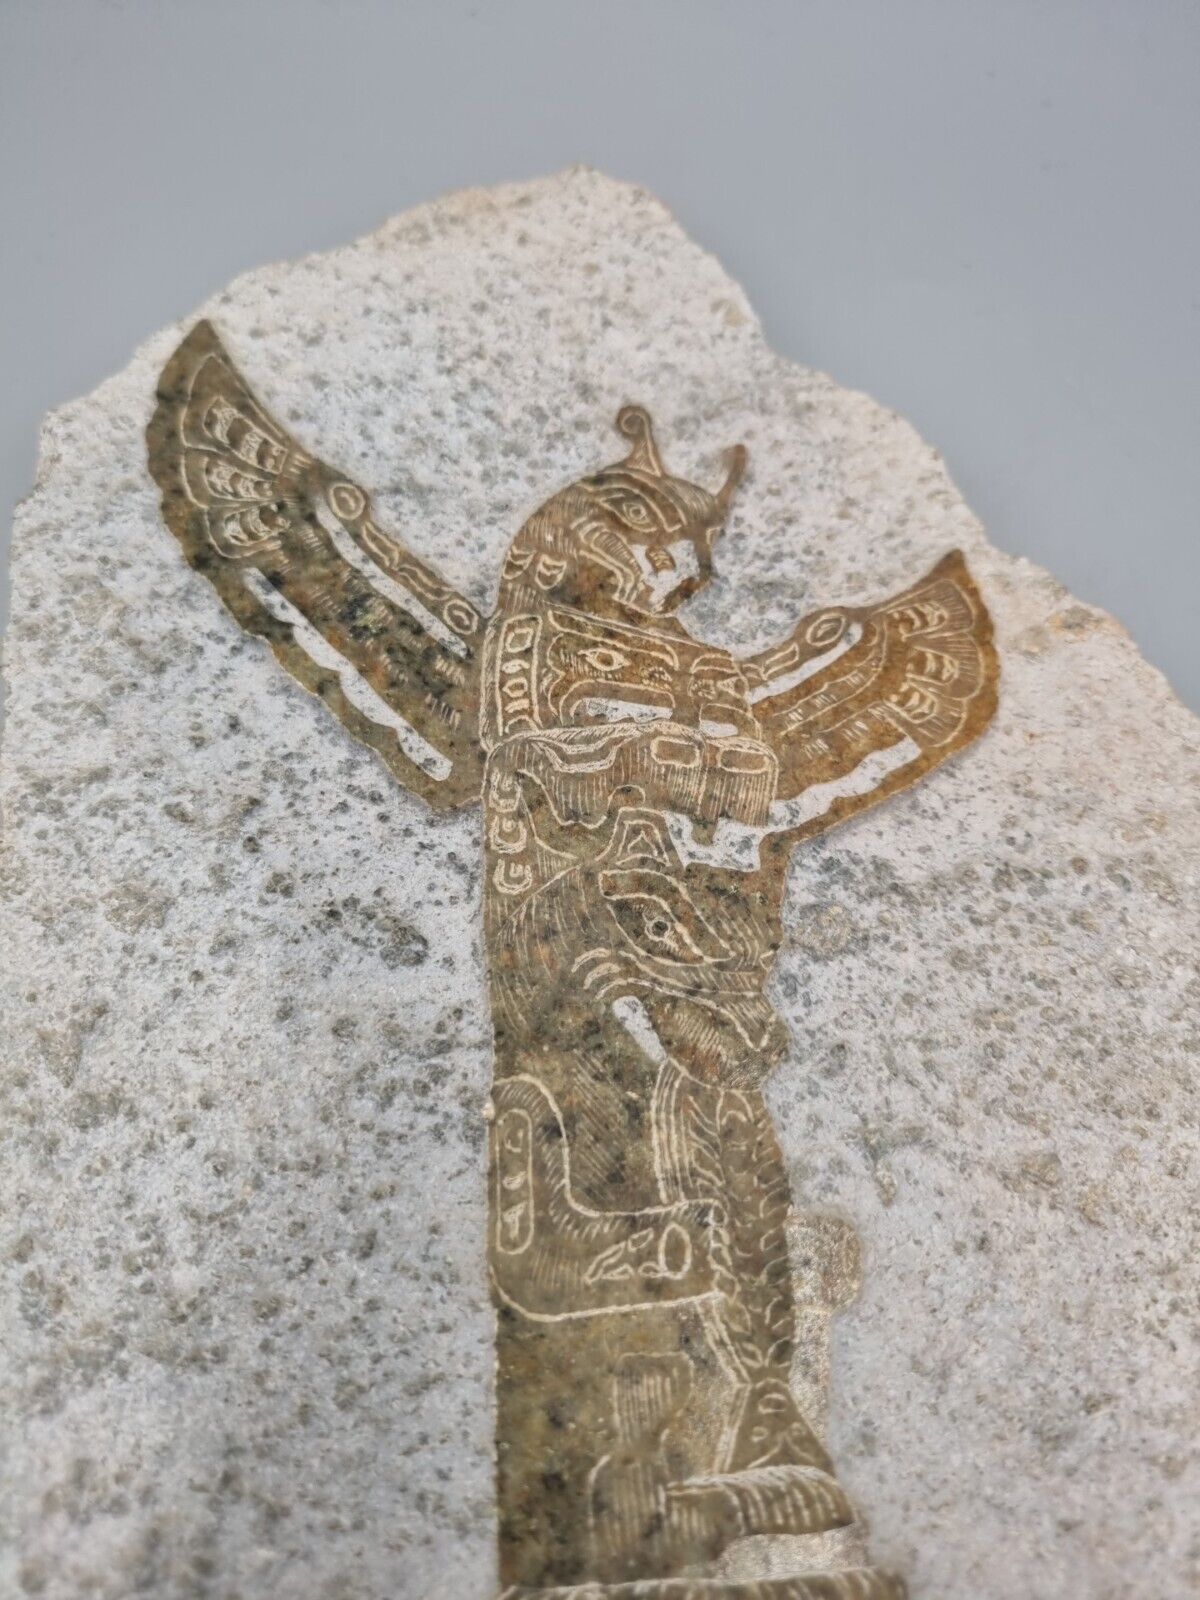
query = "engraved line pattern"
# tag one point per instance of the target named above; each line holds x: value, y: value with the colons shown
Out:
x: 641, y: 791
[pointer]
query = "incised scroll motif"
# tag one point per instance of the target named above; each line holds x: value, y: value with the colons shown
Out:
x: 641, y: 792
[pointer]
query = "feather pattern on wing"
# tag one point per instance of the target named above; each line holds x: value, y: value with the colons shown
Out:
x: 293, y: 550
x: 862, y: 701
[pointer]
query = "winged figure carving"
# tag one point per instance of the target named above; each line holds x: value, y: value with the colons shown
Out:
x: 630, y: 778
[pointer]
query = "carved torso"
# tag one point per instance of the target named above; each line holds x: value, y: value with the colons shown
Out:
x: 639, y: 1196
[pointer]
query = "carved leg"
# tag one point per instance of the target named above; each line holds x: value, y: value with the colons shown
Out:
x: 589, y: 1374
x: 720, y: 1143
x: 609, y: 1471
x: 629, y: 1522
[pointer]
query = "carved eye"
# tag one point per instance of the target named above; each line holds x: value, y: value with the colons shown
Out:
x: 656, y: 916
x: 633, y: 511
x: 604, y: 659
x: 652, y: 925
x: 825, y: 630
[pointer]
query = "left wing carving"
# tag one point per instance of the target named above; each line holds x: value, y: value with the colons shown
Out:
x: 292, y: 548
x: 862, y: 701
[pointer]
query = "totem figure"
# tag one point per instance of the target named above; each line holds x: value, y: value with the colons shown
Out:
x: 641, y: 794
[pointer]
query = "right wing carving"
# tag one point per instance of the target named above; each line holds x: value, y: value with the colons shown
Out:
x: 862, y: 701
x: 294, y: 552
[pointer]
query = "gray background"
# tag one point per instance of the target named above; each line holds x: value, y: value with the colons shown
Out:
x: 984, y: 214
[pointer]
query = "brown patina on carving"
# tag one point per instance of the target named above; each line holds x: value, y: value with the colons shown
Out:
x: 641, y: 795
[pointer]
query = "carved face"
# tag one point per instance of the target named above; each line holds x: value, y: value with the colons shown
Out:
x: 630, y: 535
x: 691, y: 945
x: 598, y: 899
x: 653, y: 534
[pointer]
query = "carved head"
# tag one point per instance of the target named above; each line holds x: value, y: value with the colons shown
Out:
x: 628, y: 537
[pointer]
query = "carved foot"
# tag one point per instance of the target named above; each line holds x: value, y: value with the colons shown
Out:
x: 861, y: 1583
x: 786, y: 1499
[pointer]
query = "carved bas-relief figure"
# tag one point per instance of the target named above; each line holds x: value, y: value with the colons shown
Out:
x: 641, y: 794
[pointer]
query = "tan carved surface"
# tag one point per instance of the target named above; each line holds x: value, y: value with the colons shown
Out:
x: 641, y: 792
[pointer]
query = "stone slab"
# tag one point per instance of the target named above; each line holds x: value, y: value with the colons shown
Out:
x: 246, y: 1332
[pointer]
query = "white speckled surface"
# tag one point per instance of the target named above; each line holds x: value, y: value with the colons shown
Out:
x: 247, y: 1346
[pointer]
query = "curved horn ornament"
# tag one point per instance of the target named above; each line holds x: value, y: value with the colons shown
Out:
x: 738, y: 458
x: 634, y: 422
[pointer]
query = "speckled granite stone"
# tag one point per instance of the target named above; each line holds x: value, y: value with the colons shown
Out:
x: 247, y: 1346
